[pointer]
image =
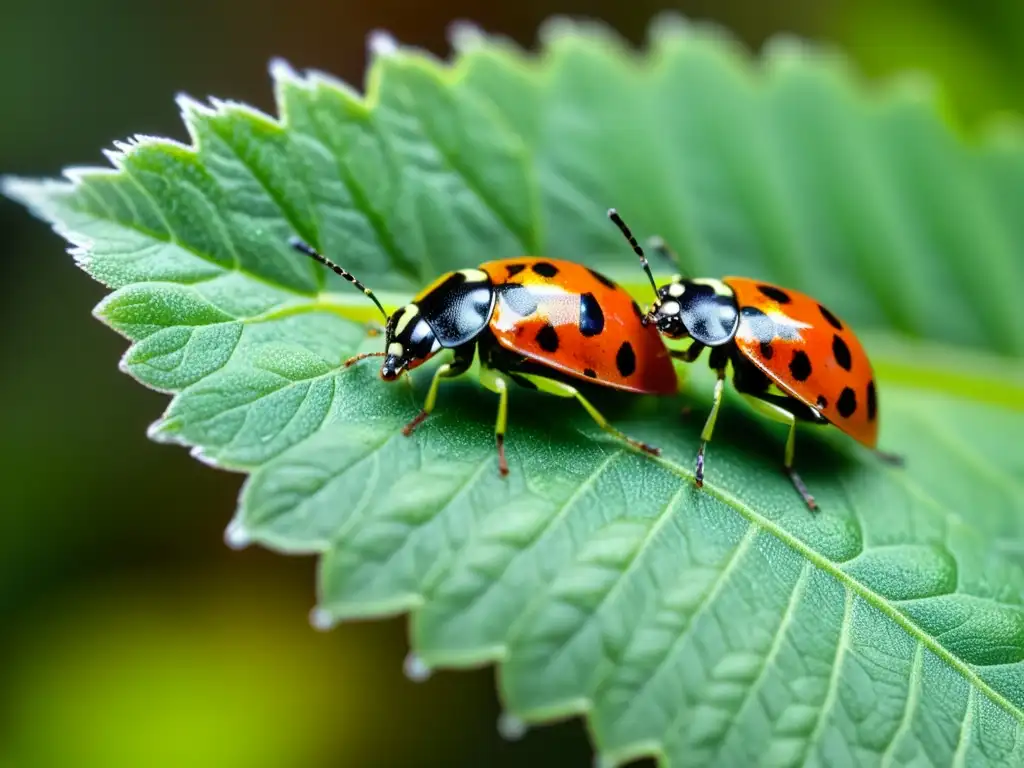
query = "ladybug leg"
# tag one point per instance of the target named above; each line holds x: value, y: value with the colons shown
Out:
x: 689, y: 354
x: 561, y: 389
x: 797, y: 481
x: 781, y: 415
x: 709, y: 426
x: 458, y: 366
x: 495, y: 382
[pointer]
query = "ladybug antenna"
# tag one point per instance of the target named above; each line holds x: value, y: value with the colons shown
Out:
x: 303, y: 247
x: 614, y: 216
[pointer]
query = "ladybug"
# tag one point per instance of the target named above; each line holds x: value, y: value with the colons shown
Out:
x: 792, y: 358
x: 545, y: 324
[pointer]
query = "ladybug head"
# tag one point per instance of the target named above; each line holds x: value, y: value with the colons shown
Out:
x: 408, y: 339
x: 667, y: 311
x: 699, y: 308
x: 409, y: 342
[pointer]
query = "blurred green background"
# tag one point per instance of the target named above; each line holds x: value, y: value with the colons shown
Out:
x: 129, y: 634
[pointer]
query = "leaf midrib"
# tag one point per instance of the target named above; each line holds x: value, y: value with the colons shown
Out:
x: 862, y: 590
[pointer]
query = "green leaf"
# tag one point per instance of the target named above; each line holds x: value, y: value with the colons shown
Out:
x: 722, y: 627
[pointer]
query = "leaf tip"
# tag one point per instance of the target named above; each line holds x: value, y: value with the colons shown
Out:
x: 464, y: 36
x: 510, y: 727
x: 236, y: 536
x: 191, y: 108
x: 281, y: 70
x: 669, y: 22
x: 27, y: 192
x: 321, y: 619
x: 201, y: 456
x: 115, y: 156
x: 381, y: 43
x: 41, y: 197
x: 416, y: 669
x: 17, y: 189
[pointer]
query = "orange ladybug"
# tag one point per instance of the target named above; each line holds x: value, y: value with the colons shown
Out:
x: 792, y: 358
x: 545, y: 324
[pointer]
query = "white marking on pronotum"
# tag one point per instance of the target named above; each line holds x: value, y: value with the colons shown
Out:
x: 382, y: 43
x: 410, y: 311
x: 718, y: 286
x: 416, y: 669
x: 474, y: 275
x: 510, y: 727
x: 676, y: 289
x: 235, y: 535
x: 670, y: 308
x: 394, y: 348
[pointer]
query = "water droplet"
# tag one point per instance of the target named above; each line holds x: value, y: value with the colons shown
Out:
x: 321, y: 619
x: 510, y: 727
x: 235, y: 535
x: 416, y: 668
x: 382, y: 43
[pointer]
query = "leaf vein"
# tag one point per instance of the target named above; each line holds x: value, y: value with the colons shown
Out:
x: 361, y: 201
x: 964, y: 739
x: 776, y: 646
x: 914, y: 683
x: 708, y: 599
x: 832, y: 692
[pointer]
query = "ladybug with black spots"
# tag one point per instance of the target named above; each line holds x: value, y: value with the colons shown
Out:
x: 792, y: 359
x: 544, y: 324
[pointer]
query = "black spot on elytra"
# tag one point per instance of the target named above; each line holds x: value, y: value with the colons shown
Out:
x: 773, y: 293
x: 800, y: 365
x: 822, y: 402
x: 545, y: 269
x: 872, y: 401
x: 547, y: 337
x: 591, y: 316
x: 590, y: 373
x: 601, y: 278
x: 841, y: 352
x: 760, y: 325
x: 847, y: 403
x: 518, y: 298
x: 766, y: 350
x: 832, y: 319
x: 515, y: 269
x: 625, y: 359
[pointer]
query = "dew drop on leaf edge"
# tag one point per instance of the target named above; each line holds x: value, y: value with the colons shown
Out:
x: 321, y: 619
x: 416, y: 669
x: 510, y: 727
x: 236, y: 537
